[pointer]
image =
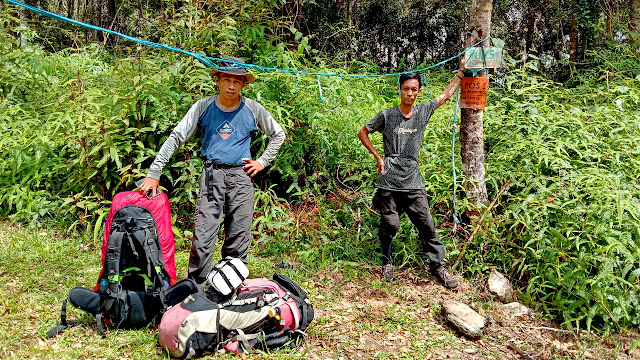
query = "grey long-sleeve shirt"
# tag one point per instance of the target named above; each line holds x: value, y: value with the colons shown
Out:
x: 226, y: 134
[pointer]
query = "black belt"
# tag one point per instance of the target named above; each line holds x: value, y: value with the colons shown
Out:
x: 399, y: 156
x: 211, y: 165
x: 219, y: 165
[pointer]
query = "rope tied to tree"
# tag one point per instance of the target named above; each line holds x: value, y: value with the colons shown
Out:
x: 212, y: 62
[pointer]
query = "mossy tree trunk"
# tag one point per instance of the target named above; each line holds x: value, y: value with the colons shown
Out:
x: 471, y: 126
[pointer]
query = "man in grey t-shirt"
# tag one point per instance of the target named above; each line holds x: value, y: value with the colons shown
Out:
x: 226, y: 122
x: 400, y: 184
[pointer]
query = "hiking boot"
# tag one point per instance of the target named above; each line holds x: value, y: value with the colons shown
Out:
x: 447, y: 279
x: 387, y: 272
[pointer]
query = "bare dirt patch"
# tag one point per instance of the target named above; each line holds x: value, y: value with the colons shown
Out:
x: 363, y: 318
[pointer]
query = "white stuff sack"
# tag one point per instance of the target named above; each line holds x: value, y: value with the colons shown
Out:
x: 227, y: 275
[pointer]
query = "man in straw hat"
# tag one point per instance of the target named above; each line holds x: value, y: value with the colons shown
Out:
x: 226, y: 121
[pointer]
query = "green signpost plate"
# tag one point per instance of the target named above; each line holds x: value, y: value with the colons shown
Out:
x: 475, y: 58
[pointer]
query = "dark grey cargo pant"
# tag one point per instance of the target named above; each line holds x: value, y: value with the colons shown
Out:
x: 228, y: 192
x: 414, y: 202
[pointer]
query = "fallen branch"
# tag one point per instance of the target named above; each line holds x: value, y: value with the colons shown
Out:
x: 495, y: 199
x: 523, y: 354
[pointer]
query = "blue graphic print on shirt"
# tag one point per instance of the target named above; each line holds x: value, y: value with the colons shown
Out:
x: 226, y: 135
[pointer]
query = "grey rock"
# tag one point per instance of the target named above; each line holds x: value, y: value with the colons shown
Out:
x: 500, y: 286
x: 468, y: 322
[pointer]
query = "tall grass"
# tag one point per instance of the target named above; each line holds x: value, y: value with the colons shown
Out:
x: 567, y: 227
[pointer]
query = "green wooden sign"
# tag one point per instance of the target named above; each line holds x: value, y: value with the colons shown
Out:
x: 475, y: 58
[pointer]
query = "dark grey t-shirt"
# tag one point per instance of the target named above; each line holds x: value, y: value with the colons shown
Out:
x: 402, y: 138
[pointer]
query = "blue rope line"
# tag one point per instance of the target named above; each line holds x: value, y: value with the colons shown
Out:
x: 453, y: 159
x: 211, y: 61
x: 320, y: 89
x: 258, y: 67
x: 426, y: 83
x: 201, y: 58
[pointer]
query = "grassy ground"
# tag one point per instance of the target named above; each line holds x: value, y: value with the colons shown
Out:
x: 357, y: 315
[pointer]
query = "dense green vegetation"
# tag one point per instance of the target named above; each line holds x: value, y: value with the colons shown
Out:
x: 80, y: 124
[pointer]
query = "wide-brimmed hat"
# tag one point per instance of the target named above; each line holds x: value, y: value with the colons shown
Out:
x: 235, y: 66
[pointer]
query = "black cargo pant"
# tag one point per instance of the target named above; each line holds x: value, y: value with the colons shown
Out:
x: 391, y: 204
x: 224, y: 190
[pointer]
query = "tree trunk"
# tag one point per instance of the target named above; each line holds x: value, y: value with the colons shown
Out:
x: 22, y: 17
x: 574, y: 39
x: 99, y: 21
x: 634, y: 19
x: 111, y: 8
x: 297, y: 22
x: 609, y: 18
x: 471, y: 127
x: 70, y: 6
x: 531, y: 23
x: 85, y: 15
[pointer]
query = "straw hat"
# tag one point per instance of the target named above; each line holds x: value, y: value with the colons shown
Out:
x: 235, y: 66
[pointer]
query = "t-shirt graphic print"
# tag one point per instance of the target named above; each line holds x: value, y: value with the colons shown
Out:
x: 225, y: 129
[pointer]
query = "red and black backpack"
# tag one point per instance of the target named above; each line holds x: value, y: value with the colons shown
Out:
x: 138, y: 267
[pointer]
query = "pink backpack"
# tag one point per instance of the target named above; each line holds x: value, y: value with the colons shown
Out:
x: 262, y: 313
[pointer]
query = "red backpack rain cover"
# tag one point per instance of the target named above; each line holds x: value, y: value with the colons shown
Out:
x: 161, y: 211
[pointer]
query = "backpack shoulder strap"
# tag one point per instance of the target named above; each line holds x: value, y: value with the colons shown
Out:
x: 112, y: 260
x: 289, y: 285
x: 145, y: 233
x: 151, y: 248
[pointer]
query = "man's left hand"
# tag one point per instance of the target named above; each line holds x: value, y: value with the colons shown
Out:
x: 252, y: 168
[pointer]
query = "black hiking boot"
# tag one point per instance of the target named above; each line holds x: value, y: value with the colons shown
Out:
x: 446, y: 278
x: 387, y: 272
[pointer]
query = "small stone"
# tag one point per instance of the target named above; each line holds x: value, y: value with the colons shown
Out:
x: 468, y: 322
x: 515, y: 309
x: 499, y: 285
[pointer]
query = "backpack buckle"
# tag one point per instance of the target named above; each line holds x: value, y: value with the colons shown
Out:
x: 130, y: 223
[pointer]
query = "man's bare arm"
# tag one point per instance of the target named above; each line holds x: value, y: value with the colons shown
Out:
x: 363, y: 134
x: 453, y: 85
